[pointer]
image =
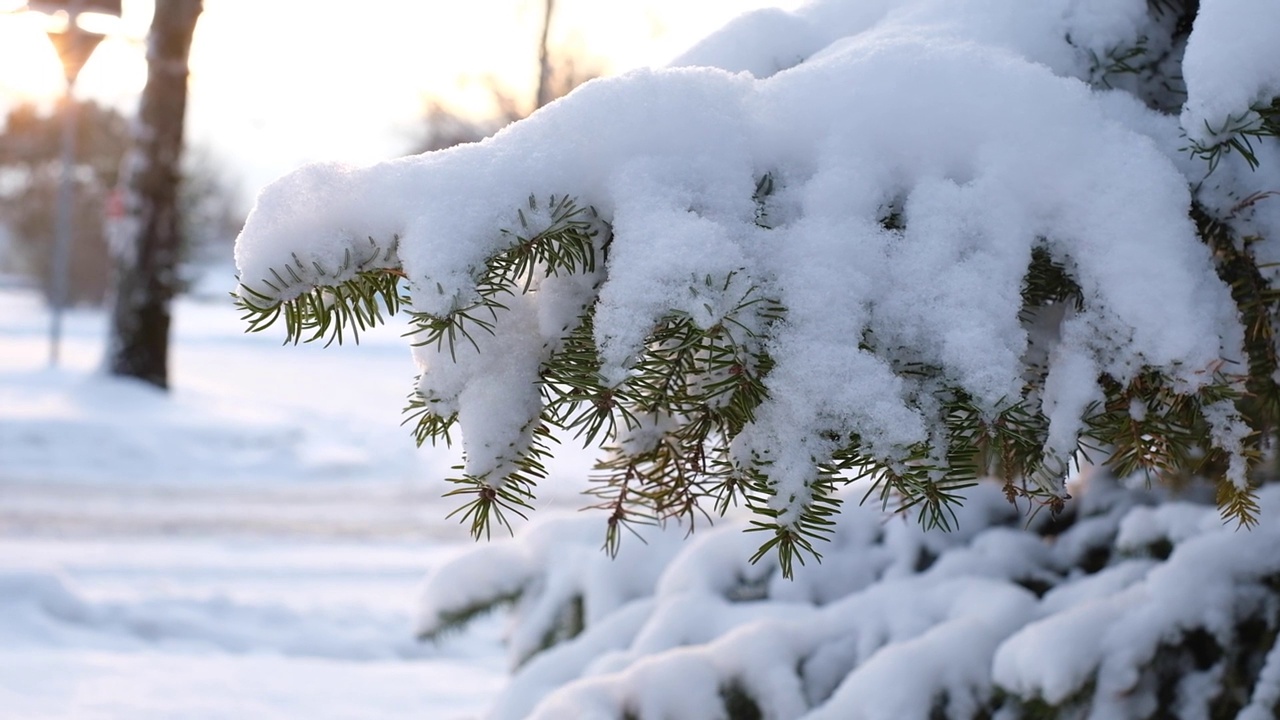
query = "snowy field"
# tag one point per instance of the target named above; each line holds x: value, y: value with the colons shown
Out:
x: 248, y: 546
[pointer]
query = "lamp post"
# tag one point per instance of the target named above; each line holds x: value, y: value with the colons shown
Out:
x: 74, y: 45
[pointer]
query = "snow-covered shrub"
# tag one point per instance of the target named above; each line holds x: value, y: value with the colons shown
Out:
x: 914, y: 241
x: 1117, y: 608
x: 586, y: 587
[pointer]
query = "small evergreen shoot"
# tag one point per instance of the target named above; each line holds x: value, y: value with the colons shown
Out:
x: 326, y: 302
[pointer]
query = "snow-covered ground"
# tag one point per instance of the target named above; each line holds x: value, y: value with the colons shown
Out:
x: 222, y: 627
x: 249, y: 545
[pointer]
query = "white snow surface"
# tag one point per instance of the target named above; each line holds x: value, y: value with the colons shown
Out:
x: 966, y: 116
x: 899, y: 623
x: 1204, y: 584
x: 1232, y: 62
x: 249, y: 545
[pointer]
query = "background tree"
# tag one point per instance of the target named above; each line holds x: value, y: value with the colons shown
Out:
x: 209, y: 209
x: 30, y: 161
x: 146, y: 261
x: 558, y: 74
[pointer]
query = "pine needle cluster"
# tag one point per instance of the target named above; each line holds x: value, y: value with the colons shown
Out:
x: 326, y: 302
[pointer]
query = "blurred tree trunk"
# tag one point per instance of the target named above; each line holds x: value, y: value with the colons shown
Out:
x: 147, y: 254
x: 545, y: 92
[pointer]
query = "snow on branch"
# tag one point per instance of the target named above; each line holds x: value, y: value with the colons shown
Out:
x: 919, y: 256
x: 1233, y: 96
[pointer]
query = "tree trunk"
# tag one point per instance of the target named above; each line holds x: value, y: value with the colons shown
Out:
x: 146, y: 259
x: 545, y: 92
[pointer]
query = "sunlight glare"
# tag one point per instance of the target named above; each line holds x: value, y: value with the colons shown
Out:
x: 115, y: 73
x: 30, y: 70
x: 100, y: 23
x: 55, y: 21
x: 29, y: 67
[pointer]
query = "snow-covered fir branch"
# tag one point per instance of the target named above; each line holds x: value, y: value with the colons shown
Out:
x: 914, y: 241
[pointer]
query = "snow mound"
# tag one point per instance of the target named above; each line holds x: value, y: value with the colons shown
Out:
x: 42, y: 609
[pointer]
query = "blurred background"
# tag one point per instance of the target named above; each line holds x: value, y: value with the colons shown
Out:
x: 246, y: 542
x: 278, y: 84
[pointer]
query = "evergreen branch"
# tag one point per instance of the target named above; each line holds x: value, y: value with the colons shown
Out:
x: 457, y: 324
x: 765, y: 188
x: 789, y: 545
x: 1048, y: 282
x: 916, y: 485
x: 1259, y: 306
x: 569, y: 244
x: 492, y: 499
x: 1118, y: 61
x: 566, y: 246
x: 1238, y: 133
x: 663, y: 482
x: 693, y: 389
x: 574, y: 394
x: 701, y: 385
x: 488, y: 504
x: 795, y: 540
x: 1239, y: 504
x: 427, y: 425
x: 727, y: 485
x: 318, y: 304
x: 456, y: 619
x: 1147, y: 427
x: 705, y: 385
x: 622, y: 512
x: 787, y: 540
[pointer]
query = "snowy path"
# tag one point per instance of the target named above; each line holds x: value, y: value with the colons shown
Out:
x: 349, y: 510
x: 234, y: 600
x: 248, y: 545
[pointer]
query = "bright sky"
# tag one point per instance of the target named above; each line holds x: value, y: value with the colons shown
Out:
x: 279, y: 83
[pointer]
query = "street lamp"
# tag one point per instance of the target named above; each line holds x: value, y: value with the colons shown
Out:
x: 74, y: 44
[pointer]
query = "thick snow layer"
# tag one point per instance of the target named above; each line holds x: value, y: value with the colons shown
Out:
x: 1207, y: 583
x: 1232, y: 63
x: 586, y: 580
x: 1058, y: 33
x: 927, y: 624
